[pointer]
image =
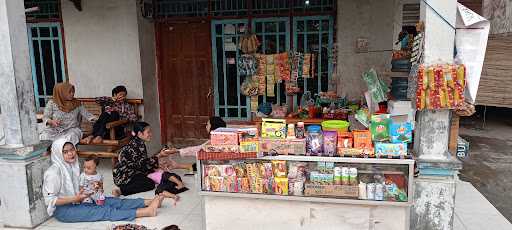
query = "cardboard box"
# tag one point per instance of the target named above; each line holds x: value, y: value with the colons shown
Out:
x: 224, y: 136
x: 249, y: 146
x: 283, y: 147
x: 390, y: 149
x: 331, y: 190
x: 273, y: 128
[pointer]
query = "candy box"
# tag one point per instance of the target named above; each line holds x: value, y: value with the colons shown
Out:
x: 400, y: 132
x: 248, y: 135
x: 359, y: 152
x: 209, y: 148
x: 379, y: 127
x: 362, y: 139
x: 273, y: 128
x: 296, y: 147
x: 390, y: 149
x: 224, y: 136
x: 345, y: 140
x: 249, y: 146
x: 274, y: 146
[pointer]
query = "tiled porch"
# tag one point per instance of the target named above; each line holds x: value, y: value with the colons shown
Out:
x: 472, y: 211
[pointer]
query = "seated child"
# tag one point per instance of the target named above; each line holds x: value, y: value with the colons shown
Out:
x: 91, y: 182
x: 113, y: 109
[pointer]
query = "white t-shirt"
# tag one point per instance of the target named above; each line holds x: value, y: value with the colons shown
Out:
x: 87, y: 182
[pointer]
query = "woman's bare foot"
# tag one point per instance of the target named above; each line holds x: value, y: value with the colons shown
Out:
x: 87, y: 140
x: 160, y: 199
x: 150, y: 210
x: 174, y: 197
x: 97, y: 140
x: 116, y: 192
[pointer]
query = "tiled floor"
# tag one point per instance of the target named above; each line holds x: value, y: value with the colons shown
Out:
x: 472, y: 211
x: 187, y: 214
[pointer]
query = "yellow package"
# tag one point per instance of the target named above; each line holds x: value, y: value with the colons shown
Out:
x: 281, y: 186
x: 430, y: 83
x: 273, y: 128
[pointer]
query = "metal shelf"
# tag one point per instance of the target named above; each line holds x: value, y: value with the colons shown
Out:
x: 308, y: 199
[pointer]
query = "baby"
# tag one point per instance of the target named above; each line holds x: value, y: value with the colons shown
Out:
x: 92, y: 182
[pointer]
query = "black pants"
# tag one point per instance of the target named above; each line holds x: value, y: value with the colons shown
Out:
x: 169, y: 186
x: 139, y: 183
x: 100, y: 126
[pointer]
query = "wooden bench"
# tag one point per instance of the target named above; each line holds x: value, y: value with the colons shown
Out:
x: 110, y: 146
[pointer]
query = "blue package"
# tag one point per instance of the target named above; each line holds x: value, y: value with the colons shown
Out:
x: 390, y: 149
x: 400, y: 132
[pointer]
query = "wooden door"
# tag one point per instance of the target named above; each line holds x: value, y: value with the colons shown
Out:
x: 185, y: 80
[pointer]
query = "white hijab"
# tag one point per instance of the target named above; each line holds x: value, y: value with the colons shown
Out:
x: 61, y: 179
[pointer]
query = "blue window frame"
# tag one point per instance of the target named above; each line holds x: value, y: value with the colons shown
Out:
x: 310, y: 34
x: 229, y: 102
x: 274, y: 36
x: 46, y: 58
x: 314, y: 34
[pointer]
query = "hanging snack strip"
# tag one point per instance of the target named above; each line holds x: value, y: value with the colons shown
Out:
x: 261, y: 73
x: 308, y: 68
x: 440, y: 86
x: 247, y: 65
x: 271, y: 80
x: 297, y: 61
x: 282, y: 66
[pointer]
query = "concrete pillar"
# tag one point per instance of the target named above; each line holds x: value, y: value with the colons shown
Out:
x: 21, y: 164
x: 17, y: 108
x: 434, y: 196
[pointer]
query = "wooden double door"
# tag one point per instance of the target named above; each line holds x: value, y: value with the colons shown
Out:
x: 185, y: 80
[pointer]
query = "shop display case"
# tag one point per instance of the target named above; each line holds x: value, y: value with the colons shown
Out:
x: 341, y: 180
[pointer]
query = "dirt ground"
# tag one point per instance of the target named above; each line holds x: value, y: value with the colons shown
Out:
x: 489, y: 164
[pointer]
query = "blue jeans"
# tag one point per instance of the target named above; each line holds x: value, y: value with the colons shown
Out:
x: 114, y: 209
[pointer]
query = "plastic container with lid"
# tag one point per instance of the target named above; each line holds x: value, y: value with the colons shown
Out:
x: 335, y: 125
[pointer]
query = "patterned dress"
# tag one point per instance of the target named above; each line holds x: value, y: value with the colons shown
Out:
x: 133, y: 160
x: 69, y: 122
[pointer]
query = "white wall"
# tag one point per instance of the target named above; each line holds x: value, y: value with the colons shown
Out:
x: 102, y: 47
x: 370, y: 19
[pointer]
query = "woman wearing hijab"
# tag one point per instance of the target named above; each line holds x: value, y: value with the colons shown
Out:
x: 62, y: 114
x: 64, y: 199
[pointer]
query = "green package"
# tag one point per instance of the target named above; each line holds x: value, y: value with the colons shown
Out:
x: 379, y: 127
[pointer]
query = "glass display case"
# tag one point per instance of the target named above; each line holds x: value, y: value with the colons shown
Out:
x: 348, y: 180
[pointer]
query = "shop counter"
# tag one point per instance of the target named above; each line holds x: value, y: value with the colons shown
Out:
x: 261, y: 193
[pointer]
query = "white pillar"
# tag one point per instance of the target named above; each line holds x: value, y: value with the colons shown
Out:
x: 21, y: 164
x: 17, y: 109
x: 434, y: 196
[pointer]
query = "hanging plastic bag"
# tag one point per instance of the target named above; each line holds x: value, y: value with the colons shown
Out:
x: 249, y: 43
x: 377, y: 88
x: 249, y: 87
